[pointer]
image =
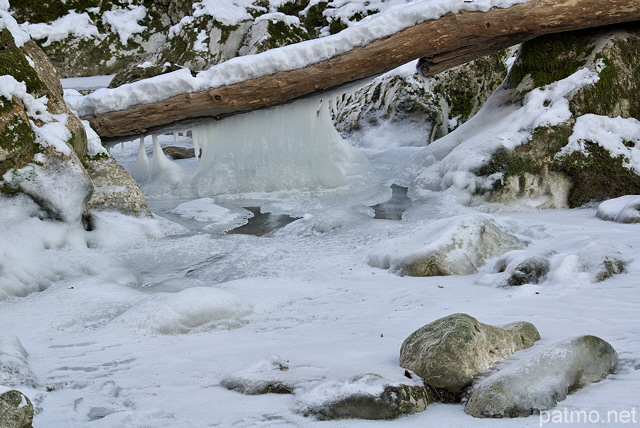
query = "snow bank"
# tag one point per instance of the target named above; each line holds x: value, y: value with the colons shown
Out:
x: 285, y: 58
x: 625, y: 209
x: 14, y: 366
x: 195, y: 309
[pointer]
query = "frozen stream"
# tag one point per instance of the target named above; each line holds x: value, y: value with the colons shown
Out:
x: 139, y: 327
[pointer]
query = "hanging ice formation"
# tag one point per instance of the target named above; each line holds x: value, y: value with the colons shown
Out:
x: 294, y: 146
x: 159, y: 176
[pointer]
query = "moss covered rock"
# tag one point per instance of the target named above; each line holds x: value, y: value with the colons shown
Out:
x: 449, y: 352
x: 548, y: 166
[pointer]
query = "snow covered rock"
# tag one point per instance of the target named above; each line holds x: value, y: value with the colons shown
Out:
x: 368, y: 396
x: 541, y: 379
x: 449, y: 352
x: 521, y: 267
x: 264, y: 377
x: 16, y: 410
x: 454, y: 246
x: 625, y: 209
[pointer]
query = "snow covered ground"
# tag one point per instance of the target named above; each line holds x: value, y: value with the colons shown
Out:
x: 139, y: 322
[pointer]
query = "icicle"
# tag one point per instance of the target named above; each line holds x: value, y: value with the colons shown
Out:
x: 175, y: 137
x: 196, y: 144
x: 294, y: 146
x: 140, y: 170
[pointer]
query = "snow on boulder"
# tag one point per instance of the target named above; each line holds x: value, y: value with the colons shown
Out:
x: 368, y: 396
x: 451, y: 246
x: 538, y: 381
x: 625, y: 209
x: 16, y: 410
x: 449, y: 352
x: 192, y: 310
x: 521, y: 267
x: 270, y: 376
x: 14, y: 367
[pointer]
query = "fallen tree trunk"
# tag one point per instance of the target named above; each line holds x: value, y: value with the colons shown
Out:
x: 444, y: 43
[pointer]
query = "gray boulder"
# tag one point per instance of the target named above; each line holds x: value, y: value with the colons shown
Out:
x: 16, y: 410
x: 14, y: 365
x: 449, y: 352
x: 543, y: 378
x: 368, y: 396
x: 522, y: 267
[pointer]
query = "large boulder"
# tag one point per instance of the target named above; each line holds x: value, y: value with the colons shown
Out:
x: 586, y: 151
x: 540, y: 380
x: 44, y: 149
x: 16, y: 410
x: 449, y: 352
x: 453, y: 246
x: 368, y: 396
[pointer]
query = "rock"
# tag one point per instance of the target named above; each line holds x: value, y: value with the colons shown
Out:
x: 42, y: 144
x: 452, y: 246
x: 114, y: 189
x: 264, y: 377
x: 16, y: 410
x: 588, y: 156
x: 625, y: 209
x: 179, y: 152
x: 540, y: 380
x: 368, y: 396
x: 521, y: 267
x: 449, y: 352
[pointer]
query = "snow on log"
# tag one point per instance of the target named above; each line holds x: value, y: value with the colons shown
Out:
x: 443, y: 43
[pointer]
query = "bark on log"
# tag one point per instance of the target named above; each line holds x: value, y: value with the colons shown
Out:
x: 447, y: 42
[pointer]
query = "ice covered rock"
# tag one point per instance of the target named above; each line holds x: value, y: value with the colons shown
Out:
x: 449, y: 352
x: 264, y: 377
x: 541, y: 379
x: 368, y: 396
x: 16, y: 410
x: 14, y: 367
x: 521, y: 267
x: 452, y: 246
x: 625, y: 209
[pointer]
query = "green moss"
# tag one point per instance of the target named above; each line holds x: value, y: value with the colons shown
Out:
x: 281, y: 34
x: 616, y: 93
x: 18, y: 140
x: 50, y: 10
x: 550, y: 58
x: 596, y: 175
x: 293, y: 7
x: 315, y: 18
x: 531, y: 158
x: 336, y: 26
x: 6, y: 105
x: 13, y: 61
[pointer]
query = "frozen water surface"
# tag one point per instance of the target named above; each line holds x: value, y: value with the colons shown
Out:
x: 139, y: 322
